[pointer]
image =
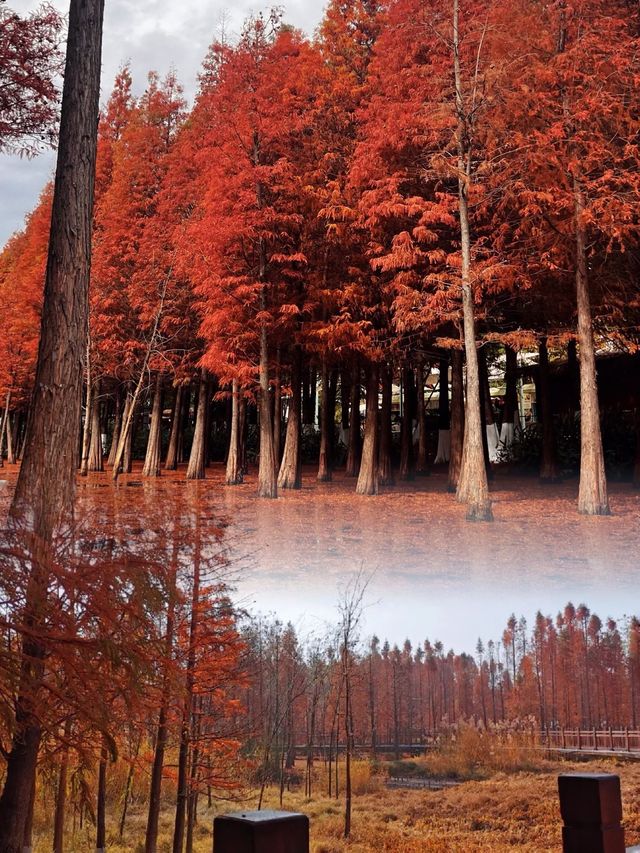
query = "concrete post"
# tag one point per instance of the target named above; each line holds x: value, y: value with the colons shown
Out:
x: 261, y: 832
x: 591, y: 808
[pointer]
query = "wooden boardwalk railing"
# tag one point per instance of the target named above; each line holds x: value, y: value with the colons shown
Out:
x: 591, y: 740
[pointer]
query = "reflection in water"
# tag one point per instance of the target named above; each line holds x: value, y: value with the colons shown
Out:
x: 433, y: 573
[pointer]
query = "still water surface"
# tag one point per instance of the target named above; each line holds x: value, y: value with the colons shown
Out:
x: 432, y: 573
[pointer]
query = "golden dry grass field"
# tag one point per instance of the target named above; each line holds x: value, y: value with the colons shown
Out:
x: 507, y: 811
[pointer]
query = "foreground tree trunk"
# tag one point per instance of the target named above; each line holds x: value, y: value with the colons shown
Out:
x: 443, y: 453
x: 171, y: 459
x: 234, y: 474
x: 354, y: 448
x: 267, y: 484
x: 290, y: 476
x: 368, y: 477
x: 549, y: 472
x: 195, y: 468
x: 153, y: 456
x: 592, y: 492
x: 473, y: 487
x: 385, y: 464
x: 324, y: 462
x: 95, y: 443
x: 44, y: 494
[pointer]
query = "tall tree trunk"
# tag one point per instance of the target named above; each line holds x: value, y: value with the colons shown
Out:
x: 44, y: 494
x: 407, y: 461
x: 153, y: 455
x: 511, y: 419
x: 195, y: 468
x: 267, y: 484
x: 171, y: 459
x: 234, y: 474
x: 354, y: 448
x: 368, y: 477
x: 345, y: 394
x: 187, y: 710
x: 27, y: 839
x: 309, y: 396
x: 290, y: 476
x: 126, y: 433
x: 549, y: 472
x: 86, y: 425
x: 4, y: 427
x: 443, y: 454
x: 473, y: 487
x: 592, y: 492
x: 324, y: 462
x: 422, y: 461
x: 11, y: 456
x: 101, y: 812
x: 385, y: 464
x: 117, y: 424
x: 61, y: 793
x: 95, y: 462
x: 277, y: 413
x: 151, y: 835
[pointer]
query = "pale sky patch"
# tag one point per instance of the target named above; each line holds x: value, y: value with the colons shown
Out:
x: 155, y: 35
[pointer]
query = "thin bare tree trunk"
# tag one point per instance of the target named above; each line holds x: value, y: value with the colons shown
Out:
x: 290, y: 476
x: 171, y: 460
x: 277, y: 413
x: 407, y: 462
x: 86, y: 427
x: 443, y: 453
x: 61, y: 794
x: 234, y: 474
x: 117, y: 424
x: 422, y: 461
x: 368, y: 477
x: 592, y: 492
x: 153, y: 455
x: 101, y: 812
x: 44, y: 494
x: 510, y: 420
x: 95, y: 462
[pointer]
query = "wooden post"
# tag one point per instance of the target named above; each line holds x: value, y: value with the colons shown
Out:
x: 261, y: 832
x: 595, y: 739
x: 564, y: 738
x: 610, y: 738
x: 579, y: 739
x: 626, y: 739
x: 591, y: 809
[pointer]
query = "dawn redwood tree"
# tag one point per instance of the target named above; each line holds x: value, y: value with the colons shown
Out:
x: 246, y: 233
x: 572, y: 173
x: 44, y: 495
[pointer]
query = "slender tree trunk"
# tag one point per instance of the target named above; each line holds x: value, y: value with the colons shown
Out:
x: 86, y: 426
x: 290, y: 476
x: 151, y: 836
x: 385, y: 464
x: 117, y: 424
x: 592, y: 493
x: 95, y: 444
x: 354, y: 449
x: 491, y: 430
x: 171, y: 459
x: 407, y: 462
x: 510, y: 420
x: 324, y: 463
x: 549, y: 472
x: 187, y: 710
x: 443, y: 454
x: 267, y: 484
x: 368, y: 477
x: 44, y: 494
x: 5, y: 428
x: 234, y: 474
x: 11, y: 457
x: 127, y: 789
x: 61, y: 793
x: 195, y: 468
x: 101, y: 812
x: 153, y: 456
x: 422, y: 461
x: 27, y: 841
x: 277, y: 413
x: 473, y: 487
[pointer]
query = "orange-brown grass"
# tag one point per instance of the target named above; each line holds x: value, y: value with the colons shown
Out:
x: 515, y: 811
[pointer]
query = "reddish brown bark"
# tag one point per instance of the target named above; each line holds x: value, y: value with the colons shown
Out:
x: 368, y: 477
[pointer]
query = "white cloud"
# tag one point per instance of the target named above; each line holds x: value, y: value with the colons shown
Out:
x: 155, y: 35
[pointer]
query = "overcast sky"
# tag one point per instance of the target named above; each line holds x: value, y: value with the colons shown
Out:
x: 152, y: 35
